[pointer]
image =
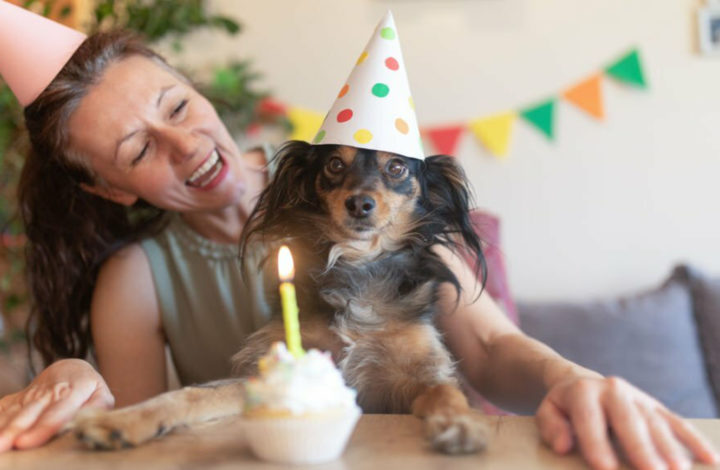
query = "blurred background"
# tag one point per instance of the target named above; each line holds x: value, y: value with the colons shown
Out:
x: 604, y: 207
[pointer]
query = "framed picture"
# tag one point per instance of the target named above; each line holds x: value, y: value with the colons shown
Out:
x: 709, y: 29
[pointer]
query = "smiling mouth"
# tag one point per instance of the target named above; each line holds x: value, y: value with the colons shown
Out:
x: 207, y: 171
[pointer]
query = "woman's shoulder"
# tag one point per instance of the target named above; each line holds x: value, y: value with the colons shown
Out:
x: 126, y: 260
x: 126, y: 277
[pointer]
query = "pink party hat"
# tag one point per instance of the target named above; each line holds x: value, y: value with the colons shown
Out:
x: 33, y: 49
x: 374, y: 109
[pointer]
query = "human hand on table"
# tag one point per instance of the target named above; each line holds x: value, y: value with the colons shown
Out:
x: 581, y: 410
x: 35, y: 414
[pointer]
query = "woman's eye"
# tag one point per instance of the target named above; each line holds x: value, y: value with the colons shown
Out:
x: 179, y: 108
x: 396, y: 168
x: 140, y: 156
x: 335, y: 165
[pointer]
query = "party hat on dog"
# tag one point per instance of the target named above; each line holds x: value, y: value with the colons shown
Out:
x: 374, y: 109
x: 33, y: 49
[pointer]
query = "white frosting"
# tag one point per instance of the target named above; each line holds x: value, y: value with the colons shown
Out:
x: 308, y: 384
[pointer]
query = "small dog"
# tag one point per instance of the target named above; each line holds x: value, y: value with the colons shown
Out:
x: 362, y: 226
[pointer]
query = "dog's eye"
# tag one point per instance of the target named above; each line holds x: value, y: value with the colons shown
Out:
x: 335, y: 165
x: 396, y: 168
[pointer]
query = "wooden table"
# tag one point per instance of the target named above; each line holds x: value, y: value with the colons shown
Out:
x: 379, y: 442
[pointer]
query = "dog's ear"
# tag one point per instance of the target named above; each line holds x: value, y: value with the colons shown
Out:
x: 291, y: 187
x: 446, y: 199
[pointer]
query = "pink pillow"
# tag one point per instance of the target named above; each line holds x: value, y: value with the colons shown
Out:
x: 487, y: 226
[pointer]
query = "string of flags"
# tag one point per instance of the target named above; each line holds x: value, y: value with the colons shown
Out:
x: 494, y: 132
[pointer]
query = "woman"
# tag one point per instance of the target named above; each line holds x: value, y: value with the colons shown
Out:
x: 118, y: 138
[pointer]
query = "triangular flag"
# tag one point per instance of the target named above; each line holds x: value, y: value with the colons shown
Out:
x: 494, y: 132
x: 445, y: 139
x: 587, y: 95
x: 270, y: 107
x: 541, y: 116
x: 628, y: 70
x: 305, y: 123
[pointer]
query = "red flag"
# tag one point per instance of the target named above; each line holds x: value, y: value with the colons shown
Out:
x: 270, y: 107
x: 445, y: 139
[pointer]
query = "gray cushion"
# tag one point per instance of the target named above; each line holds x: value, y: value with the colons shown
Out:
x: 706, y: 298
x: 649, y: 339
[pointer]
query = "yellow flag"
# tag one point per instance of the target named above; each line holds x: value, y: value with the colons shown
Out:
x: 494, y: 132
x: 305, y: 123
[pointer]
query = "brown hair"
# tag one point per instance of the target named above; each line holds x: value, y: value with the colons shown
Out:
x: 71, y: 232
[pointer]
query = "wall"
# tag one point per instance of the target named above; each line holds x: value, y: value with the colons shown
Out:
x: 607, y: 208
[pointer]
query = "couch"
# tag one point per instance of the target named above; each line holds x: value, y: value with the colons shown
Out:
x: 665, y: 340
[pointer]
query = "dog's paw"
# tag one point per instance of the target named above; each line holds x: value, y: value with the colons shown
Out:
x: 456, y: 433
x: 116, y: 429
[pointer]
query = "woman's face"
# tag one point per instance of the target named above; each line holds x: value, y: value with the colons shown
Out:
x: 148, y: 134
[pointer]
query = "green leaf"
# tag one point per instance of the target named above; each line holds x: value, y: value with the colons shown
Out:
x: 228, y: 24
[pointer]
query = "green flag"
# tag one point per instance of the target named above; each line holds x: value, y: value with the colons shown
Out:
x: 628, y: 70
x: 541, y: 116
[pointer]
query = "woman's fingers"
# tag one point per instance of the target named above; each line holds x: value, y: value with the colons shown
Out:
x: 665, y: 441
x: 61, y: 412
x: 50, y: 422
x: 555, y: 428
x: 691, y: 438
x: 631, y: 428
x: 590, y: 425
x: 23, y: 419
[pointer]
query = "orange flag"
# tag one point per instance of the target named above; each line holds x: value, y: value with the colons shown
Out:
x: 587, y: 95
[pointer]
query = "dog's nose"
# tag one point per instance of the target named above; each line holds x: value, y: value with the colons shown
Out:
x: 360, y: 205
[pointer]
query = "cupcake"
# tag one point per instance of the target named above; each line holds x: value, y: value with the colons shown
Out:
x: 298, y: 410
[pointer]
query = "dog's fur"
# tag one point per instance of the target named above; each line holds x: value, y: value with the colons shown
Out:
x: 363, y: 227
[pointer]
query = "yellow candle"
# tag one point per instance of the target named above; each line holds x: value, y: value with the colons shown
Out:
x: 290, y: 311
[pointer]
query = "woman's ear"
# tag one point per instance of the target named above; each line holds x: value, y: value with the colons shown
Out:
x: 112, y: 194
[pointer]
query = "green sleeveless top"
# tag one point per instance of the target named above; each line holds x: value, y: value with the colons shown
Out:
x: 206, y: 304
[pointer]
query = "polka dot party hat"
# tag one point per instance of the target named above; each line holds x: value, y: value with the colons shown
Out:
x: 374, y: 108
x: 33, y: 49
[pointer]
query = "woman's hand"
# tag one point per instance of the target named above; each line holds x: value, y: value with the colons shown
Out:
x: 581, y: 410
x: 35, y: 414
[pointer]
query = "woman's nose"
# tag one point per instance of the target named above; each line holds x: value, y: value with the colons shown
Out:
x: 181, y: 143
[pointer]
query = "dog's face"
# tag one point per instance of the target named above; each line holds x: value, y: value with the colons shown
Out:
x: 366, y: 192
x: 363, y: 201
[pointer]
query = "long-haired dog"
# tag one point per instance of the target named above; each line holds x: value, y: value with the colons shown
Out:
x: 363, y: 227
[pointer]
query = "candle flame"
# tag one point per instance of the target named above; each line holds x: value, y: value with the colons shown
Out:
x: 286, y: 269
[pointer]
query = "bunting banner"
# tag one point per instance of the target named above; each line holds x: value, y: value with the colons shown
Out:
x: 587, y: 95
x: 445, y: 139
x: 305, y: 123
x: 494, y: 132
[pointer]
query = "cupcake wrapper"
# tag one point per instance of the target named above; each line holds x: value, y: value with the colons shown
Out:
x: 301, y: 440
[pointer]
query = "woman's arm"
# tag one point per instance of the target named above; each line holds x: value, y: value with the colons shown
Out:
x: 129, y: 343
x: 576, y: 405
x: 127, y: 329
x: 506, y: 366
